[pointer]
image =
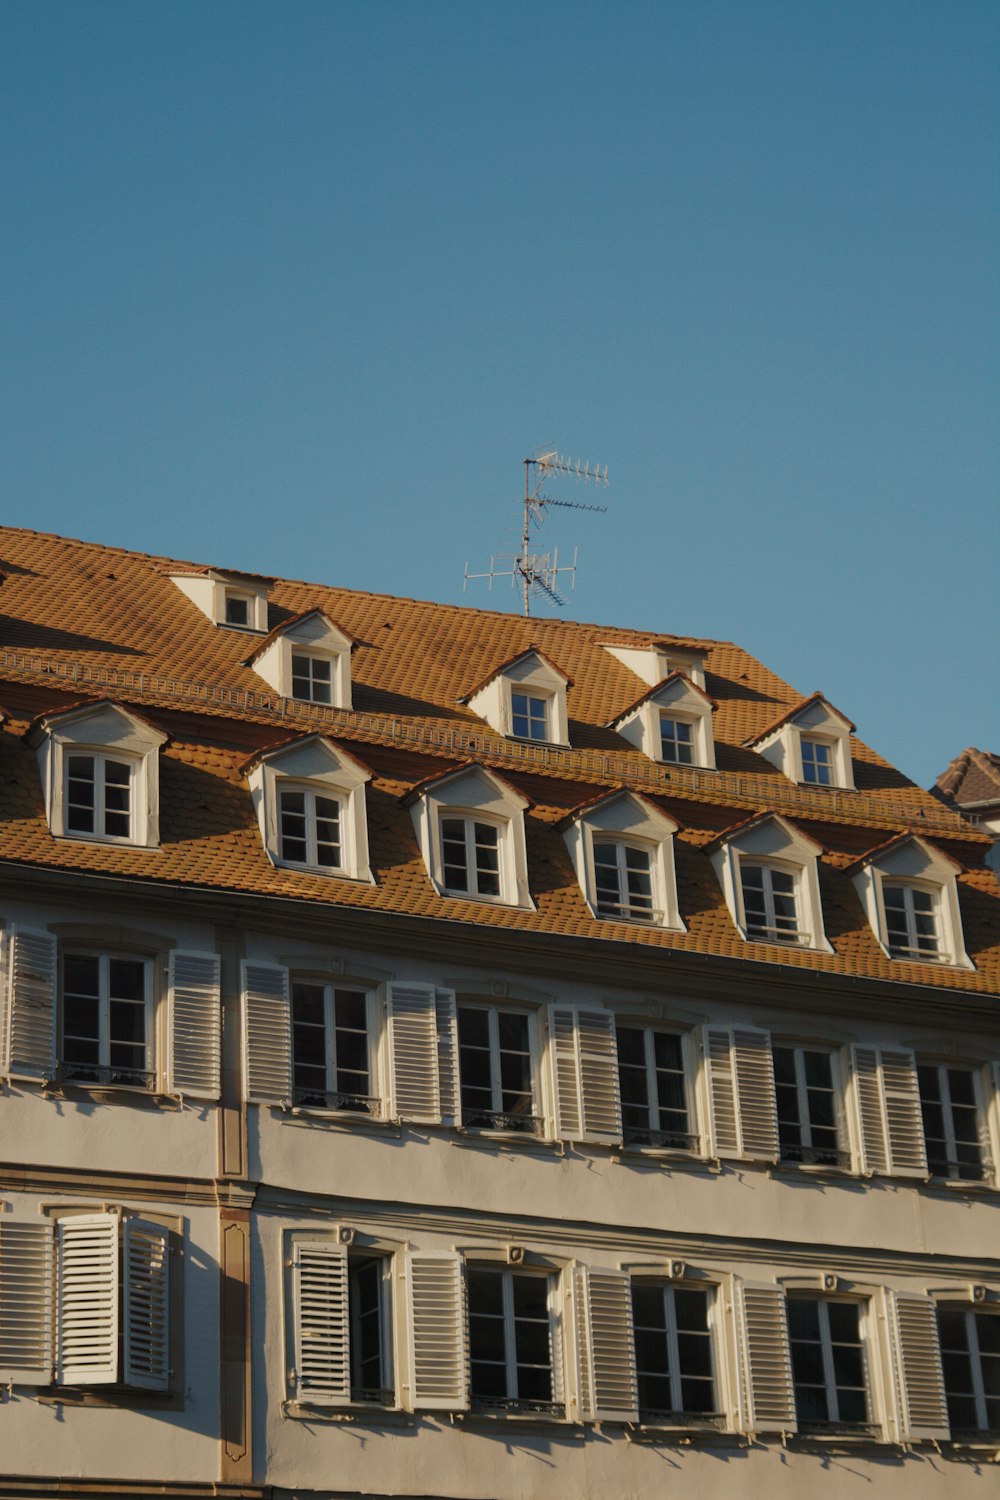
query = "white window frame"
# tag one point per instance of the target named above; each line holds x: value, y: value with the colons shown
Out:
x: 315, y: 637
x: 313, y: 659
x: 679, y: 699
x: 817, y: 763
x: 471, y: 822
x: 912, y: 949
x: 666, y: 716
x: 789, y: 937
x: 692, y: 1136
x: 531, y: 695
x: 818, y: 1155
x: 948, y: 1120
x: 628, y: 820
x: 677, y: 1414
x: 386, y: 1326
x: 625, y: 910
x: 910, y: 861
x: 103, y: 731
x: 866, y: 1334
x: 530, y: 673
x: 312, y: 794
x: 237, y: 596
x: 373, y: 1100
x: 813, y: 720
x: 970, y: 1312
x: 517, y: 1404
x: 99, y: 809
x: 770, y: 840
x: 315, y: 765
x: 494, y: 1009
x: 104, y: 1066
x: 475, y: 794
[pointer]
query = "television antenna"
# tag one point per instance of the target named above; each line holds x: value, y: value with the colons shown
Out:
x: 537, y: 573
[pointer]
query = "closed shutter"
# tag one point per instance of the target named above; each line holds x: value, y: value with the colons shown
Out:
x: 743, y: 1119
x: 414, y: 1053
x: 766, y: 1388
x: 887, y: 1099
x: 267, y: 1034
x: 146, y: 1304
x: 322, y: 1372
x: 87, y: 1299
x: 26, y: 1273
x: 608, y: 1386
x: 921, y: 1406
x: 438, y: 1346
x: 195, y: 1024
x: 31, y: 1004
x: 447, y: 1037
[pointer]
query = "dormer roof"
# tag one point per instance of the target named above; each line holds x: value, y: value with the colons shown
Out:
x: 791, y: 714
x: 513, y: 661
x: 467, y: 768
x: 654, y: 693
x: 605, y: 799
x: 85, y: 708
x: 749, y: 825
x: 931, y: 852
x: 300, y: 741
x: 287, y: 626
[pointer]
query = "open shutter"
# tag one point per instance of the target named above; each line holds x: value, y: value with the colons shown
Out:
x: 31, y: 1004
x: 600, y: 1100
x: 565, y: 1073
x: 438, y: 1347
x: 446, y: 1016
x: 767, y: 1391
x: 887, y: 1100
x: 26, y: 1350
x: 921, y: 1406
x: 195, y: 1024
x: 146, y: 1304
x: 267, y: 1034
x: 991, y: 1092
x: 720, y: 1080
x: 609, y: 1388
x: 414, y: 1053
x: 87, y: 1299
x: 743, y: 1119
x: 866, y: 1079
x: 322, y: 1373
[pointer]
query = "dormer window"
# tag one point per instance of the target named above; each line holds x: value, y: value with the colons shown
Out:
x: 621, y: 846
x: 238, y: 609
x: 235, y: 600
x: 810, y: 744
x: 470, y: 827
x: 100, y: 773
x: 525, y: 698
x: 660, y: 659
x: 308, y: 659
x: 671, y: 724
x: 309, y: 795
x: 768, y: 872
x: 910, y: 895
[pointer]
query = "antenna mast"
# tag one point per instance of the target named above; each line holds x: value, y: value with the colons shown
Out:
x: 537, y: 572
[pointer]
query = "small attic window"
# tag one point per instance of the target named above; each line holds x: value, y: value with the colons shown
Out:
x: 470, y: 827
x: 231, y: 600
x: 238, y: 607
x: 525, y: 699
x: 308, y: 659
x: 671, y: 724
x: 768, y: 871
x: 810, y: 744
x: 910, y: 894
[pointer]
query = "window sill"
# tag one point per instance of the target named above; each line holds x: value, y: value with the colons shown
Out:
x: 700, y: 1431
x: 844, y: 1439
x: 524, y: 1421
x: 108, y: 841
x: 658, y: 1157
x: 506, y: 1140
x: 110, y: 1396
x: 355, y: 1415
x: 338, y: 1119
x: 118, y: 1093
x: 814, y: 1170
x: 948, y: 1186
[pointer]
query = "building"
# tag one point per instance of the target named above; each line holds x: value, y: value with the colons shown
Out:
x: 448, y: 1054
x: 971, y: 785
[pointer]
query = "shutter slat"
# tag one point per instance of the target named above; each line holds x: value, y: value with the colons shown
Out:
x: 267, y: 1034
x: 195, y: 1024
x: 446, y: 1014
x: 758, y: 1112
x: 26, y: 1266
x: 414, y: 1053
x: 866, y: 1081
x: 903, y: 1114
x: 88, y: 1297
x: 566, y: 1084
x: 146, y: 1309
x: 322, y: 1372
x: 599, y: 1093
x: 606, y: 1346
x: 438, y: 1348
x: 720, y: 1080
x: 921, y: 1404
x: 765, y: 1360
x: 31, y: 1004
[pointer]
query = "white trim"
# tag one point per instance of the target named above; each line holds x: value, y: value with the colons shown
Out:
x: 775, y: 843
x: 474, y: 794
x: 912, y: 862
x: 628, y: 821
x: 105, y: 732
x: 675, y: 699
x: 529, y: 674
x: 317, y: 767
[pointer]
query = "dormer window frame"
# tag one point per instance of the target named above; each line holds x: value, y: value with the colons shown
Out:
x: 909, y: 863
x: 771, y: 842
x: 813, y: 721
x: 105, y: 734
x: 679, y: 701
x: 315, y: 637
x: 628, y: 821
x: 473, y: 794
x: 533, y: 675
x: 212, y: 591
x: 658, y: 660
x: 320, y: 769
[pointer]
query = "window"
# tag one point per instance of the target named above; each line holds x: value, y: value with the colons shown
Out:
x: 770, y: 909
x: 510, y: 1340
x: 307, y: 658
x: 676, y: 741
x: 910, y: 921
x: 312, y: 679
x: 238, y: 607
x: 950, y: 1112
x: 806, y: 1104
x: 817, y: 762
x: 673, y: 1350
x: 340, y: 1323
x: 100, y: 773
x: 970, y: 1354
x: 495, y: 1067
x: 623, y: 880
x: 99, y: 796
x: 653, y: 1091
x: 106, y: 1020
x: 310, y: 828
x: 828, y: 1363
x: 369, y: 1297
x: 470, y: 856
x: 528, y: 716
x: 331, y: 1061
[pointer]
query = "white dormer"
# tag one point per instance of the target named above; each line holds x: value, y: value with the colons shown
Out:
x: 768, y: 870
x: 811, y: 744
x: 622, y: 848
x: 671, y: 724
x: 660, y: 659
x: 309, y: 796
x: 307, y: 658
x: 525, y: 698
x: 100, y: 774
x: 910, y: 895
x: 232, y: 599
x: 470, y: 827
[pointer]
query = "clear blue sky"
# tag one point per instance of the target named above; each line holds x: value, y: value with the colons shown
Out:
x: 295, y: 287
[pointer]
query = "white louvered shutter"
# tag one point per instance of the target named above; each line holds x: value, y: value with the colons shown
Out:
x: 446, y: 1015
x: 267, y: 1034
x: 743, y: 1118
x: 436, y: 1327
x: 87, y: 1296
x: 866, y: 1089
x: 584, y: 1054
x: 26, y: 1324
x: 31, y: 1004
x: 565, y: 1073
x: 991, y: 1089
x: 146, y: 1304
x: 608, y: 1385
x: 4, y: 1001
x: 887, y: 1100
x: 766, y: 1388
x: 194, y: 1053
x: 322, y: 1373
x: 414, y: 1053
x: 921, y: 1406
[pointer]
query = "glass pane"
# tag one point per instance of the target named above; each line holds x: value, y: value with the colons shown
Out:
x: 485, y: 1292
